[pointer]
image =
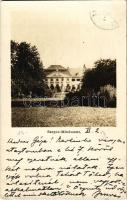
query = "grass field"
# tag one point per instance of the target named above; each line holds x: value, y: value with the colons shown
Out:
x: 68, y: 116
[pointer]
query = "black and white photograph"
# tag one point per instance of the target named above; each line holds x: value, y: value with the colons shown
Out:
x: 64, y: 65
x: 63, y: 100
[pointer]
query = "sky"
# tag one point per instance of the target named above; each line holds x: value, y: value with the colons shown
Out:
x: 69, y: 33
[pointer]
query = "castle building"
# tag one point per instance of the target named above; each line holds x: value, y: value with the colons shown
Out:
x: 61, y: 79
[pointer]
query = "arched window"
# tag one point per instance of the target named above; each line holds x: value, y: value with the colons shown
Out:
x: 68, y: 87
x: 52, y: 87
x: 73, y: 88
x: 78, y: 87
x: 57, y: 88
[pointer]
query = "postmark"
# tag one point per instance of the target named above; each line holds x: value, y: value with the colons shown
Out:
x: 103, y: 20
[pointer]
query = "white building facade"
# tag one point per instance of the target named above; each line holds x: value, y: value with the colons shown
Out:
x: 61, y: 79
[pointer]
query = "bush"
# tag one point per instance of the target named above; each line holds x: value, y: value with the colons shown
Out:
x: 104, y: 97
x: 109, y: 92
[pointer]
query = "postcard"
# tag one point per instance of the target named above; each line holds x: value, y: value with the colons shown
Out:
x: 63, y: 100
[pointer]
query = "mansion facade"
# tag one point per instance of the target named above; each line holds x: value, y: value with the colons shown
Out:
x: 61, y: 79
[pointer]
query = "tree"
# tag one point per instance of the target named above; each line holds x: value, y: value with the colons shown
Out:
x: 14, y: 57
x: 103, y: 73
x: 27, y: 72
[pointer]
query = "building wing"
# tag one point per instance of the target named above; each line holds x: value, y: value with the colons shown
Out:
x: 76, y: 72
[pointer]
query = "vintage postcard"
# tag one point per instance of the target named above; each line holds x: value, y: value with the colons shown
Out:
x: 63, y: 100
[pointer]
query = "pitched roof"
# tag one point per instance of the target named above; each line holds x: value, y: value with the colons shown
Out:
x: 55, y: 67
x: 76, y: 72
x: 58, y: 74
x: 69, y: 72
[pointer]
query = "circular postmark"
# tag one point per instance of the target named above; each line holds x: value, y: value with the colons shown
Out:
x: 103, y: 20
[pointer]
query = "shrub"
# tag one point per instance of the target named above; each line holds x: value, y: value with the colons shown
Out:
x: 104, y: 97
x: 109, y: 92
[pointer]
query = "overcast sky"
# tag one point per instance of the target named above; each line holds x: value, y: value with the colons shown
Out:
x: 64, y: 32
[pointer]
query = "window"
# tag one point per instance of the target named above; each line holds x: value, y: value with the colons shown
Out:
x: 67, y: 79
x: 62, y: 79
x: 51, y: 79
x: 57, y: 79
x: 78, y: 79
x: 58, y: 89
x: 78, y: 87
x: 73, y: 79
x: 73, y: 88
x: 52, y: 87
x: 68, y: 87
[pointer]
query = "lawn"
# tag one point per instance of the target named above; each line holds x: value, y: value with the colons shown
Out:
x: 66, y: 117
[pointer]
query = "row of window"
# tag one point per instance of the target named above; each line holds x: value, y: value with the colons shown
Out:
x: 67, y: 86
x: 73, y: 79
